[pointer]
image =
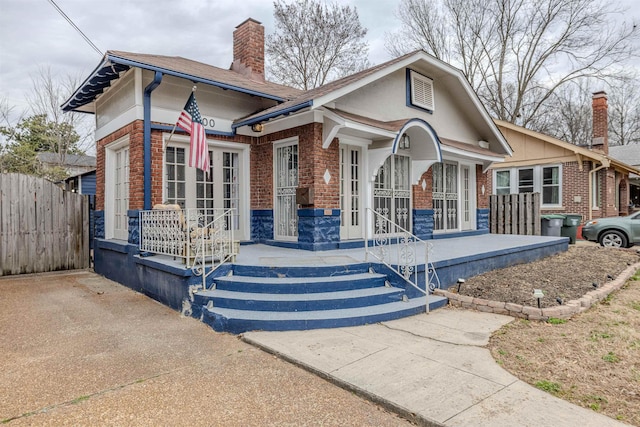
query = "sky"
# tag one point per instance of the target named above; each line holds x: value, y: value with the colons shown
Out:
x: 34, y: 35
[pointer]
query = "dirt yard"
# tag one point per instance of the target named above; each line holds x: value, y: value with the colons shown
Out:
x: 592, y: 360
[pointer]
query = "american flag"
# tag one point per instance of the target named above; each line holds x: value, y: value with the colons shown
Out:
x: 190, y: 121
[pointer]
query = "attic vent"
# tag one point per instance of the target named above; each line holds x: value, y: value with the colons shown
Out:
x: 422, y: 91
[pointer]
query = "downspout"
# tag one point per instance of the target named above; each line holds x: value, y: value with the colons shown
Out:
x: 591, y: 174
x: 146, y: 103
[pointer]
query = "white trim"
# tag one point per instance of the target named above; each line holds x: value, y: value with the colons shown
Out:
x: 294, y: 140
x: 109, y: 189
x: 244, y: 156
x: 537, y: 181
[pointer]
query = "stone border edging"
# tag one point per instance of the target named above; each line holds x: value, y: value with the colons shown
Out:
x: 565, y: 311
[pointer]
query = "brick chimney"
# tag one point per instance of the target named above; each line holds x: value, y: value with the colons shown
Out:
x: 248, y: 49
x: 600, y: 139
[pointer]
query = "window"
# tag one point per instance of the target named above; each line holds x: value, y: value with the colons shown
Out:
x: 596, y: 200
x: 546, y: 180
x: 525, y: 181
x: 503, y: 182
x: 421, y: 91
x: 551, y: 185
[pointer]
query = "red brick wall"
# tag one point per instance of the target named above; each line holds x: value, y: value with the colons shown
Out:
x: 313, y: 160
x: 423, y: 199
x: 482, y: 179
x: 136, y: 190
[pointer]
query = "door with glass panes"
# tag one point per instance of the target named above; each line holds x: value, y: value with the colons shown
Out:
x: 350, y: 192
x: 392, y: 191
x: 445, y: 196
x: 212, y: 193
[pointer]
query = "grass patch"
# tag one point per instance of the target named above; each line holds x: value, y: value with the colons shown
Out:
x: 79, y: 399
x: 635, y: 305
x: 595, y: 335
x: 549, y: 386
x: 611, y: 357
x: 556, y: 321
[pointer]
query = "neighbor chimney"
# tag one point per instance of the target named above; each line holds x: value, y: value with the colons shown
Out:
x: 600, y: 139
x: 248, y: 49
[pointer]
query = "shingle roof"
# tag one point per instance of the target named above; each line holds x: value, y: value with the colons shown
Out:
x: 629, y: 154
x: 116, y: 62
x: 69, y: 159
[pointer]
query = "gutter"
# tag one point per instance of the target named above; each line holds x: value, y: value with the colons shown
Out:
x: 591, y: 174
x: 265, y: 117
x: 147, y: 137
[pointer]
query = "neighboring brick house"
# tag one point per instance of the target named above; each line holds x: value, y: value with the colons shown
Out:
x: 408, y: 138
x: 570, y: 178
x: 629, y: 154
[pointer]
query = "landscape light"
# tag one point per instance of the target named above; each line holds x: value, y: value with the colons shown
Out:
x: 538, y: 294
x: 460, y: 282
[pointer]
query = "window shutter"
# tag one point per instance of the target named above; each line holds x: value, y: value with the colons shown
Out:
x: 422, y: 91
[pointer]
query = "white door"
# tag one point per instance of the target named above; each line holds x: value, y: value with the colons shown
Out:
x: 350, y: 192
x: 121, y: 194
x: 465, y: 172
x: 286, y: 182
x: 392, y: 191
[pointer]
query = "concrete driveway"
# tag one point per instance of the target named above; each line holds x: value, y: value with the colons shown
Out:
x: 78, y: 349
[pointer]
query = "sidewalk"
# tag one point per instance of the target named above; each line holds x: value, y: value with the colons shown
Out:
x: 432, y: 368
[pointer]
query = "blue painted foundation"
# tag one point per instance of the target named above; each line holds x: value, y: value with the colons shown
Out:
x: 318, y: 229
x: 482, y: 219
x: 423, y: 223
x: 261, y: 225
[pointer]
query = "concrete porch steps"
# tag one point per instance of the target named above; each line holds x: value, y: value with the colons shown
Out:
x: 299, y: 298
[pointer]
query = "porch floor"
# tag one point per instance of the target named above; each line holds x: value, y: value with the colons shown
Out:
x: 445, y: 249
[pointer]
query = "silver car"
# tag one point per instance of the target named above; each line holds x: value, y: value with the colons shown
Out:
x: 615, y: 232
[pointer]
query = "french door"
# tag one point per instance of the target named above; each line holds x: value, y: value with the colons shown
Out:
x: 350, y: 192
x: 392, y: 191
x: 210, y: 193
x: 445, y: 196
x: 286, y: 182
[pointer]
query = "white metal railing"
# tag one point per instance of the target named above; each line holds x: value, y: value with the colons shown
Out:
x: 202, y: 238
x: 401, y: 251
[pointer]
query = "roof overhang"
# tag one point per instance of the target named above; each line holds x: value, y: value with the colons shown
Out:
x: 111, y: 67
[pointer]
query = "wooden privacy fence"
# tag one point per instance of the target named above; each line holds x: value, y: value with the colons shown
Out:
x: 42, y: 226
x: 515, y: 214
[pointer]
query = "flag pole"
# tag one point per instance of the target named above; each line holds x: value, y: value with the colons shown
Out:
x: 164, y: 146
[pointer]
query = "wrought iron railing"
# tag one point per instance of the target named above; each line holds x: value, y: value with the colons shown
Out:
x: 401, y: 251
x: 202, y: 238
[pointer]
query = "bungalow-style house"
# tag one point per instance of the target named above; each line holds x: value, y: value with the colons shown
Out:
x: 403, y: 145
x: 571, y: 179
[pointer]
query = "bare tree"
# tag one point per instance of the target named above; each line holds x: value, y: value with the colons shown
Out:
x: 47, y: 94
x: 315, y: 43
x: 517, y: 53
x: 624, y: 112
x: 568, y: 114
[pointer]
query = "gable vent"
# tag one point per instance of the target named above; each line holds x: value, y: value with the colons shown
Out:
x: 422, y: 91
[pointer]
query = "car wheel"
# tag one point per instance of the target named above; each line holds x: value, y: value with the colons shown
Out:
x: 613, y: 239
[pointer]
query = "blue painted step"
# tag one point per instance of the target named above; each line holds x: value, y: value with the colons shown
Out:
x: 300, y: 271
x: 239, y: 321
x: 290, y: 285
x: 299, y: 301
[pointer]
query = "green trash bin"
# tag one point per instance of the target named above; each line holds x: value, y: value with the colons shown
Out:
x: 570, y: 227
x: 551, y: 225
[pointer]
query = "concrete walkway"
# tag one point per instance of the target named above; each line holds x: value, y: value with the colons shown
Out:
x: 432, y: 368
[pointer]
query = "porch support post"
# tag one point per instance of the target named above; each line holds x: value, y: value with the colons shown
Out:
x: 147, y: 137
